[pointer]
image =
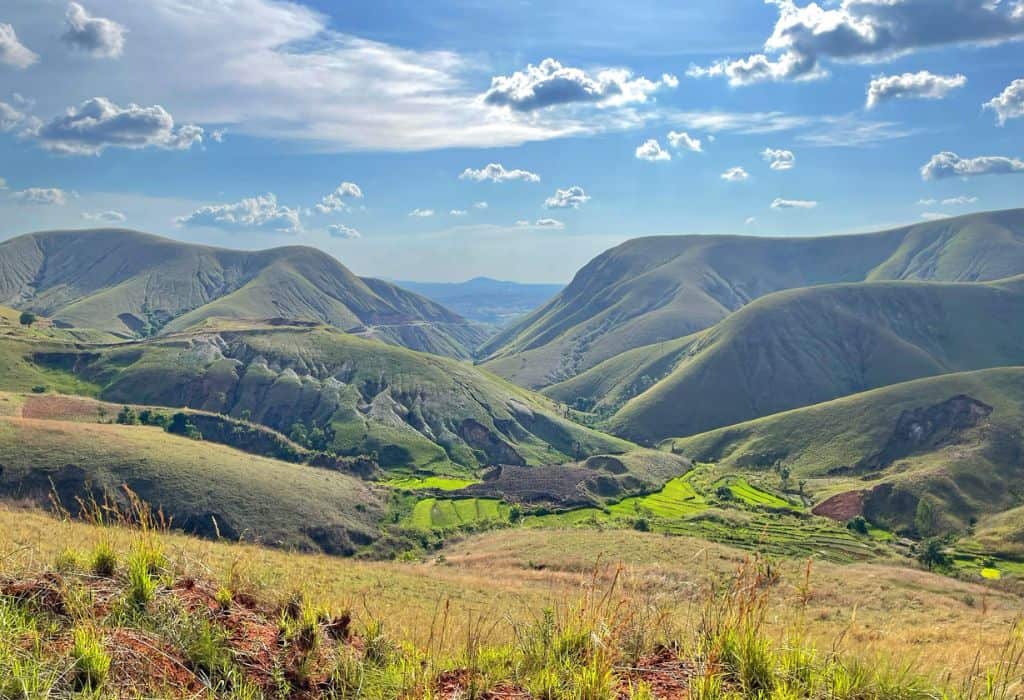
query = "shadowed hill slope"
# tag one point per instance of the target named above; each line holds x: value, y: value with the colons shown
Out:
x: 801, y: 347
x: 955, y: 440
x: 136, y: 284
x: 651, y: 290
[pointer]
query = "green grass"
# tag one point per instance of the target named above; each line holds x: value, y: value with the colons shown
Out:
x: 441, y: 483
x: 677, y: 499
x: 743, y: 491
x: 449, y: 514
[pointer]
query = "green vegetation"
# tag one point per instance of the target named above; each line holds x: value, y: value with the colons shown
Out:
x: 803, y: 347
x: 136, y: 286
x: 441, y: 483
x: 753, y: 496
x: 652, y: 290
x: 454, y: 514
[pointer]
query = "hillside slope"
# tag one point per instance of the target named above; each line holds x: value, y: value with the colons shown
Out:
x: 136, y: 284
x: 802, y: 347
x: 413, y: 411
x: 651, y: 290
x: 955, y: 440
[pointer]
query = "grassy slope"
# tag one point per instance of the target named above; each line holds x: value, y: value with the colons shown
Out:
x: 651, y: 290
x: 504, y: 580
x: 250, y: 497
x: 802, y: 347
x: 974, y: 477
x: 120, y: 281
x: 417, y: 411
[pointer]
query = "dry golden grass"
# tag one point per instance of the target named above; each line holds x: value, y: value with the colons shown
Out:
x: 938, y: 624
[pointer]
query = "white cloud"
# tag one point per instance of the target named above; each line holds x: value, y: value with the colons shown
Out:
x: 10, y: 117
x: 779, y: 158
x: 541, y: 223
x: 103, y: 38
x: 12, y: 51
x: 218, y: 135
x: 480, y: 205
x: 1009, y: 104
x: 933, y: 216
x: 572, y: 198
x: 921, y: 85
x: 750, y: 220
x: 98, y: 124
x: 651, y: 150
x: 865, y: 31
x: 342, y: 231
x: 551, y: 84
x: 458, y: 212
x: 948, y: 164
x: 780, y: 203
x: 338, y: 199
x: 261, y: 213
x: 682, y: 141
x: 111, y: 216
x: 3, y: 184
x: 421, y: 213
x: 960, y: 201
x: 42, y: 196
x: 496, y: 172
x: 927, y: 202
x: 736, y: 174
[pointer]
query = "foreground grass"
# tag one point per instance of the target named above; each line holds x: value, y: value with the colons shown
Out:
x: 513, y: 614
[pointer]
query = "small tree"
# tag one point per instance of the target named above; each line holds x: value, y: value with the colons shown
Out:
x: 27, y: 318
x: 932, y: 554
x: 925, y: 518
x: 127, y: 416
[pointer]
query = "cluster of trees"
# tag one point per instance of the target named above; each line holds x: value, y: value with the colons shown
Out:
x: 177, y: 424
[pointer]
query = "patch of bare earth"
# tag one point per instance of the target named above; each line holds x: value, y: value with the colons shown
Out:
x: 842, y: 506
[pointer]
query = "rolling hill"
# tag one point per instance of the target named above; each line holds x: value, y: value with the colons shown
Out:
x: 955, y: 440
x: 801, y: 347
x: 652, y: 290
x: 137, y: 285
x: 485, y: 300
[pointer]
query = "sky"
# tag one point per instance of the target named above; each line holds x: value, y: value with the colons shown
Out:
x: 440, y: 141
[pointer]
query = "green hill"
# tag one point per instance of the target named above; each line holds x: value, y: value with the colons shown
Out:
x: 651, y: 290
x: 414, y: 411
x: 802, y: 347
x: 206, y: 488
x: 953, y: 440
x: 136, y: 285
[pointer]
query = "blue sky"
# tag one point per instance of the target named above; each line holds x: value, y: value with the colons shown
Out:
x: 229, y: 121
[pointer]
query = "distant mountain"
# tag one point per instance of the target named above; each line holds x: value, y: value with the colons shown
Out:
x: 954, y: 439
x: 651, y: 290
x: 486, y: 300
x: 801, y: 347
x: 138, y: 285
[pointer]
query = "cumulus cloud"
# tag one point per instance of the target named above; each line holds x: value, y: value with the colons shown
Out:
x: 480, y: 205
x: 42, y: 196
x: 338, y: 199
x: 421, y: 213
x: 458, y: 212
x: 736, y: 174
x: 933, y: 215
x: 260, y: 213
x: 960, y: 201
x: 342, y: 231
x: 920, y: 85
x: 750, y: 220
x: 98, y: 124
x: 550, y: 84
x: 780, y: 203
x: 948, y: 164
x: 100, y: 37
x: 650, y: 150
x: 572, y: 198
x: 779, y: 158
x: 682, y: 141
x: 12, y: 51
x: 111, y: 216
x: 496, y: 172
x: 865, y: 31
x: 1009, y: 104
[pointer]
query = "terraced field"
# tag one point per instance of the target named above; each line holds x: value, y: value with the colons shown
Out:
x: 744, y: 491
x: 677, y: 500
x: 441, y: 483
x: 449, y: 513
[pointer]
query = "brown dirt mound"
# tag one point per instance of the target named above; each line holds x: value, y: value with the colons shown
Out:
x: 667, y: 675
x: 842, y: 506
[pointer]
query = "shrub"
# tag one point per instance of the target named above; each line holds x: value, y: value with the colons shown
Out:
x: 103, y: 561
x: 127, y: 416
x: 932, y: 554
x: 181, y: 425
x: 858, y: 525
x: 92, y: 663
x: 39, y: 389
x: 27, y: 318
